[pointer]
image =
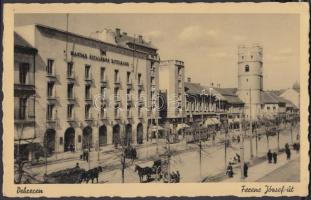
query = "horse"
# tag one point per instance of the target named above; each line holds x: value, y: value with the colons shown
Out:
x: 91, y: 175
x: 143, y: 171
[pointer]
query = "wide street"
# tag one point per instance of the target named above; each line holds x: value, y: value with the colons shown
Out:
x: 185, y: 158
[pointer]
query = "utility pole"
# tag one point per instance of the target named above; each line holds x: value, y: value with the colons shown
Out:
x: 200, y: 154
x: 168, y: 161
x: 122, y: 163
x: 241, y: 148
x: 291, y: 130
x: 226, y: 141
x: 250, y: 121
x: 98, y: 151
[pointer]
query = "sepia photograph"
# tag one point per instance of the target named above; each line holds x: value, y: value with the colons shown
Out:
x: 157, y: 98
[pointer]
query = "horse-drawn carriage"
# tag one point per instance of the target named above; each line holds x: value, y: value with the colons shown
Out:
x: 157, y: 172
x: 70, y: 175
x: 73, y: 175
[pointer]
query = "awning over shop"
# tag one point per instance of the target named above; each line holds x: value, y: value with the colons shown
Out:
x: 155, y: 128
x: 236, y: 120
x: 181, y: 126
x: 211, y: 121
x: 27, y: 141
x: 216, y: 121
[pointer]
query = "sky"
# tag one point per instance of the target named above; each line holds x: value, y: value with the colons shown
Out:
x: 207, y: 43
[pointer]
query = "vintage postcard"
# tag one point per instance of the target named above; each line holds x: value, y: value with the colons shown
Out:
x: 155, y: 99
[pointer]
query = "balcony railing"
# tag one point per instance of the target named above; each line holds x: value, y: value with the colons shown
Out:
x: 129, y: 98
x: 71, y: 75
x: 27, y: 119
x: 104, y: 80
x: 88, y: 78
x: 25, y: 88
x: 72, y: 118
x: 88, y: 98
x: 53, y: 96
x: 89, y: 117
x: 140, y: 85
x: 117, y: 80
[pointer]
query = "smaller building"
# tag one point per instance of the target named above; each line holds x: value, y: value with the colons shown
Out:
x: 24, y: 98
x: 272, y: 106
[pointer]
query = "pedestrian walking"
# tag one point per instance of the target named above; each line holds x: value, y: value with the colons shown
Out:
x: 229, y: 170
x: 77, y: 165
x: 245, y: 169
x: 275, y: 157
x: 269, y: 156
x: 288, y: 153
x: 239, y: 139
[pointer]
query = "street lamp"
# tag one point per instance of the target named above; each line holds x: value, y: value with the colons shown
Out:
x: 241, y: 146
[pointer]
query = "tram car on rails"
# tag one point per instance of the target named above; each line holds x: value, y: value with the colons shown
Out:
x: 195, y: 135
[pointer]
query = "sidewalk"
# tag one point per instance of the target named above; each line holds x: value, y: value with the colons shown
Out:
x: 260, y: 170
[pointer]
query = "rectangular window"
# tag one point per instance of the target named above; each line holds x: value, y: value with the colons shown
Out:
x: 23, y: 71
x: 79, y: 138
x: 116, y: 113
x: 87, y: 92
x: 103, y: 111
x: 87, y: 111
x: 139, y: 94
x: 116, y: 94
x: 103, y: 92
x: 49, y: 67
x: 69, y: 69
x: 128, y: 77
x: 87, y: 72
x: 22, y: 107
x: 49, y: 113
x: 102, y: 74
x: 70, y: 111
x: 116, y: 76
x: 50, y: 89
x: 70, y: 91
x: 268, y: 108
x: 128, y: 111
x: 128, y: 94
x: 139, y: 79
x: 246, y: 68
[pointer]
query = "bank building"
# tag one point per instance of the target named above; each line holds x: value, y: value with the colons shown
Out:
x: 73, y: 92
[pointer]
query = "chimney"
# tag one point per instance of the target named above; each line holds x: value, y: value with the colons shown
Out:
x: 118, y: 32
x: 140, y: 38
x: 189, y: 80
x: 125, y: 33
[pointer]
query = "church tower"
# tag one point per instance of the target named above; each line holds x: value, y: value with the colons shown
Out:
x: 250, y: 82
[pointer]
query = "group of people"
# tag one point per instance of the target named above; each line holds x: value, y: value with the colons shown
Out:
x: 236, y: 159
x: 174, y: 177
x: 271, y: 156
x: 230, y: 172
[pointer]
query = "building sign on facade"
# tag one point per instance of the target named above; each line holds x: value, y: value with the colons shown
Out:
x: 99, y: 58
